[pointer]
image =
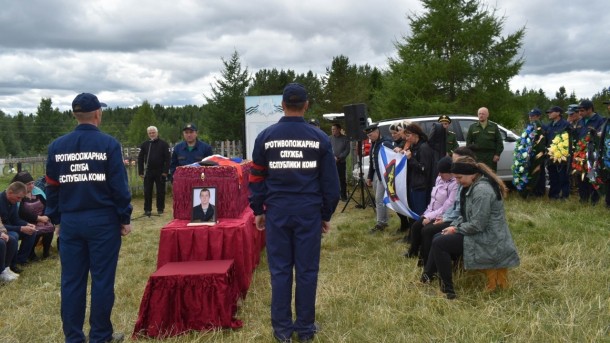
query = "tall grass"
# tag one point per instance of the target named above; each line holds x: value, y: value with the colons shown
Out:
x: 368, y: 292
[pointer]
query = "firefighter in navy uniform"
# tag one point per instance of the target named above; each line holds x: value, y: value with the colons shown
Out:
x: 189, y: 151
x: 294, y: 190
x: 88, y: 194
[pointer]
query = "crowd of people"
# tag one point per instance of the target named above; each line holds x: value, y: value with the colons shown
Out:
x: 571, y: 151
x: 457, y: 198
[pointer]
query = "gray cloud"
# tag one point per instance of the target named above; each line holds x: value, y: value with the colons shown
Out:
x: 169, y: 52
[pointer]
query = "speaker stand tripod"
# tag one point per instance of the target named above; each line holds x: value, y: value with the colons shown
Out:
x: 361, y: 186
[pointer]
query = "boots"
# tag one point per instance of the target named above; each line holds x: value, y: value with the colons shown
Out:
x: 502, y: 274
x: 496, y: 278
x: 492, y: 276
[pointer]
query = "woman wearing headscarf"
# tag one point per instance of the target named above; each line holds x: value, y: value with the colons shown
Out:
x: 480, y: 234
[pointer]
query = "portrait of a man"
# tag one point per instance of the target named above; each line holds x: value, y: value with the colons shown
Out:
x: 203, y: 205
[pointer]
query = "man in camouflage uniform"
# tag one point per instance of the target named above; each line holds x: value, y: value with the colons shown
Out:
x: 451, y: 137
x: 485, y: 140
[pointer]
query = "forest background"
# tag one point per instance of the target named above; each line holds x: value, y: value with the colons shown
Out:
x: 455, y: 61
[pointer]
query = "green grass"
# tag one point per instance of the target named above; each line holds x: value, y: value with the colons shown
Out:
x: 368, y: 292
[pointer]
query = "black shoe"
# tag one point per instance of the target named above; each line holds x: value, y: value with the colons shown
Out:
x: 34, y: 258
x: 379, y: 227
x: 285, y: 340
x: 316, y: 329
x: 344, y: 198
x: 451, y: 296
x: 16, y: 269
x: 116, y: 338
x: 159, y: 212
x: 409, y: 254
x: 425, y: 278
x: 147, y: 213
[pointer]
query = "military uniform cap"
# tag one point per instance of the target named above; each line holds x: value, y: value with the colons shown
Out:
x: 444, y: 119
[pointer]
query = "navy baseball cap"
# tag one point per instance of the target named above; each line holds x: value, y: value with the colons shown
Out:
x: 314, y: 122
x: 371, y: 128
x: 534, y: 112
x: 189, y: 126
x: 294, y: 94
x: 585, y: 104
x: 86, y: 102
x: 555, y: 109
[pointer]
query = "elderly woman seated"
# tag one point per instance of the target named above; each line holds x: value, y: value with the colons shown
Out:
x: 480, y: 234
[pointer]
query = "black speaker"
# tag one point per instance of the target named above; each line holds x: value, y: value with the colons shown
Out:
x: 355, y: 121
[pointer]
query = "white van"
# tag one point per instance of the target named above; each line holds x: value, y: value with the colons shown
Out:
x: 459, y: 125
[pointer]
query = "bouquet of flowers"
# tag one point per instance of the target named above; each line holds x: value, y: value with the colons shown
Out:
x: 585, y: 161
x: 559, y: 149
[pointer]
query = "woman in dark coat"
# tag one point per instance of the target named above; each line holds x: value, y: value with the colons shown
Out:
x: 421, y: 166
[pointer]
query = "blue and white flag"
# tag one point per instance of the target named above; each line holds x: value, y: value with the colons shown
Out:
x: 393, y: 168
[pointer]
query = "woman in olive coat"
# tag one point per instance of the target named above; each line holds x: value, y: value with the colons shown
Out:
x: 480, y: 233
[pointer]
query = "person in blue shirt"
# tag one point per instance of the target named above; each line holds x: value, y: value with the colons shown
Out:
x: 589, y: 124
x: 294, y: 190
x: 88, y: 195
x: 559, y: 177
x: 190, y: 150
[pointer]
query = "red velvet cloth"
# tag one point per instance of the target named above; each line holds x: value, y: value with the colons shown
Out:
x: 183, y: 296
x: 231, y: 191
x: 236, y: 239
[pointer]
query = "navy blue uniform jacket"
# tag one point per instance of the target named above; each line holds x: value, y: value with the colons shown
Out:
x: 182, y: 156
x: 294, y: 169
x: 85, y: 171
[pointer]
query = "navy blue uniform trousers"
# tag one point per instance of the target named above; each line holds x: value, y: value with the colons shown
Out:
x: 293, y: 242
x: 90, y: 242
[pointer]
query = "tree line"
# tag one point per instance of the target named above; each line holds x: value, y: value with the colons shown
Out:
x: 454, y: 61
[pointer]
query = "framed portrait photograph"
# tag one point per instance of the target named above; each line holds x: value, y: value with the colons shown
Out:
x: 204, y: 206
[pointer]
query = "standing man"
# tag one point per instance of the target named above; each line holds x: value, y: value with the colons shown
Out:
x: 375, y: 178
x: 452, y: 143
x: 88, y: 194
x: 341, y: 147
x: 294, y: 190
x: 559, y: 179
x: 485, y: 140
x: 153, y: 167
x: 590, y: 123
x: 604, y: 153
x: 189, y: 151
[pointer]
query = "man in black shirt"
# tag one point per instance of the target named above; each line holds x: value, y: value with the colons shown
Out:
x: 153, y: 167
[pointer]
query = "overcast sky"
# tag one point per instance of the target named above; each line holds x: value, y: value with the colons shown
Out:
x: 169, y: 52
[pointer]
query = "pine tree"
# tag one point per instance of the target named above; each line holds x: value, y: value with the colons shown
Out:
x: 225, y: 111
x: 455, y: 61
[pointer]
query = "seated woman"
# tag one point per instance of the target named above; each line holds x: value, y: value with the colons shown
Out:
x: 451, y: 214
x: 31, y: 210
x: 442, y: 198
x: 480, y: 234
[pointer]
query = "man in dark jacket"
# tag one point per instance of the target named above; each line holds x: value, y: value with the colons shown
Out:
x: 559, y: 179
x: 375, y: 178
x: 153, y: 167
x: 294, y: 190
x: 189, y: 151
x: 589, y: 124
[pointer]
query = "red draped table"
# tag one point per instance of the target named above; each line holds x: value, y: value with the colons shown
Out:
x: 183, y: 296
x: 236, y: 239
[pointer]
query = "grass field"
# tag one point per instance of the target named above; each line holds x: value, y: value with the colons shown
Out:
x: 368, y: 292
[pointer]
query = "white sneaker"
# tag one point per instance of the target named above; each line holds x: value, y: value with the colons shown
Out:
x: 10, y: 272
x: 7, y: 278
